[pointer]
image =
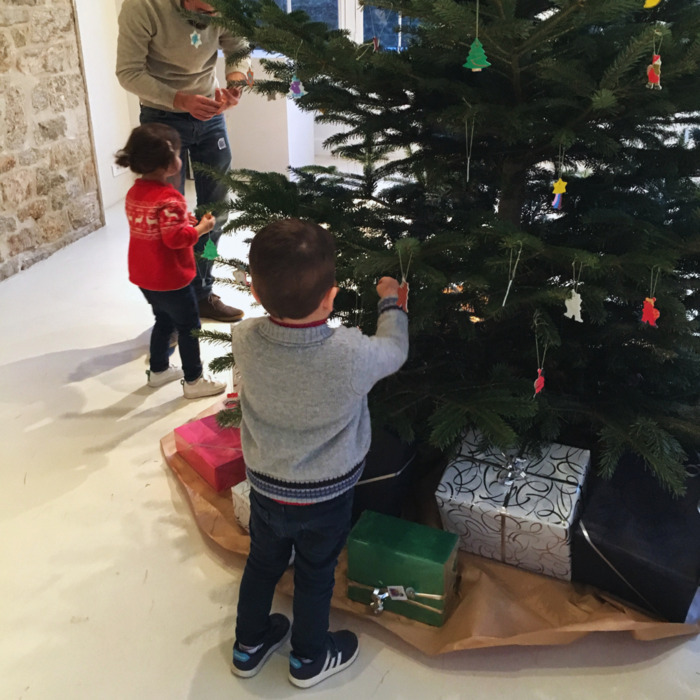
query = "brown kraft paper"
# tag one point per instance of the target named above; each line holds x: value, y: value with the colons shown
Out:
x: 498, y: 604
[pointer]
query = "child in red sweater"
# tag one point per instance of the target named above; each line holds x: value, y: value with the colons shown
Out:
x: 161, y: 256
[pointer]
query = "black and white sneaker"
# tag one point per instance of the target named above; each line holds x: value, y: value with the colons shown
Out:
x: 245, y: 663
x: 342, y: 649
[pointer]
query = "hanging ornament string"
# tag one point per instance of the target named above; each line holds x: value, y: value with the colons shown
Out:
x: 653, y: 282
x: 469, y: 141
x: 512, y: 267
x: 403, y: 287
x: 576, y: 278
x: 539, y: 382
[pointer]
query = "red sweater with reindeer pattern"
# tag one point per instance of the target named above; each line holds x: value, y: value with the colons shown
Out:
x: 161, y: 256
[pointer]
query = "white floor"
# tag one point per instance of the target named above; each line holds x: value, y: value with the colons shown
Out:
x: 107, y: 588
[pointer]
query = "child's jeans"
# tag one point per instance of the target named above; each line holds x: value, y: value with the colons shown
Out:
x: 318, y: 533
x: 176, y: 310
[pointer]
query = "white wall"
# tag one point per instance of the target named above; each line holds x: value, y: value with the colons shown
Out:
x: 111, y: 111
x: 268, y: 135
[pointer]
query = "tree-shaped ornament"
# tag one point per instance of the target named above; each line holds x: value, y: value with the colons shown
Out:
x: 476, y: 60
x: 210, y: 252
x: 296, y: 88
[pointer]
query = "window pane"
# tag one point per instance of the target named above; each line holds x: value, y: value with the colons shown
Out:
x: 319, y: 10
x: 382, y: 24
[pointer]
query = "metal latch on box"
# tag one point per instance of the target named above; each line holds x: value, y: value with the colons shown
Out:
x: 407, y: 594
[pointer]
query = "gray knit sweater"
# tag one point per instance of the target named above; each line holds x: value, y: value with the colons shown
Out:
x: 305, y: 429
x: 159, y: 53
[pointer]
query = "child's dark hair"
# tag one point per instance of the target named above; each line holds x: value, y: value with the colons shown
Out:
x: 292, y: 265
x: 150, y: 147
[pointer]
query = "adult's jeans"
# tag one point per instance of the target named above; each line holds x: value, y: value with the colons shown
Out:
x: 207, y: 143
x: 318, y: 533
x: 173, y: 310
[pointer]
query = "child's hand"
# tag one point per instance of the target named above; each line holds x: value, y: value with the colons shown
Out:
x: 205, y: 225
x: 387, y: 287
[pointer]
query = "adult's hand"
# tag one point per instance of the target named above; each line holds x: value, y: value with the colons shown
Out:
x: 198, y: 106
x: 228, y: 97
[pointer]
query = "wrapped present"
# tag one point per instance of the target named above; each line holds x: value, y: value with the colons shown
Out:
x: 385, y: 478
x: 518, y: 510
x: 240, y: 494
x: 212, y: 451
x: 639, y: 543
x: 402, y: 567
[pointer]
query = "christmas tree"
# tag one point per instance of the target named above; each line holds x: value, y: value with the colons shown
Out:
x: 454, y: 190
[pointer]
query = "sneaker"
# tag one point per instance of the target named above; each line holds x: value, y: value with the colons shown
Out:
x: 342, y: 649
x: 246, y: 664
x: 156, y: 379
x: 204, y: 386
x: 213, y: 308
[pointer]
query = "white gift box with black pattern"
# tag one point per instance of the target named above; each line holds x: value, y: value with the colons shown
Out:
x: 519, y: 511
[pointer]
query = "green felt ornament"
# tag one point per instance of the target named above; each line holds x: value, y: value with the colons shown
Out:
x: 477, y: 58
x: 210, y: 252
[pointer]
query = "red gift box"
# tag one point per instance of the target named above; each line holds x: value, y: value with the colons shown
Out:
x: 212, y: 451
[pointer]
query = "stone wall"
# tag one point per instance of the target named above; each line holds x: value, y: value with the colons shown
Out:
x: 49, y: 195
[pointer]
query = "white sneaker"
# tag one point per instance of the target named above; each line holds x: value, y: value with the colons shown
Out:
x: 204, y: 386
x: 156, y: 379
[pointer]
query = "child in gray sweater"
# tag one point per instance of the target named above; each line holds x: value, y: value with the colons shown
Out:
x: 305, y: 432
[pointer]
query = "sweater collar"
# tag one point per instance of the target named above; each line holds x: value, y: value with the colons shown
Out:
x: 294, y: 335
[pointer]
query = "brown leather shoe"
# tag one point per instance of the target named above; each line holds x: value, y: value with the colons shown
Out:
x: 213, y: 308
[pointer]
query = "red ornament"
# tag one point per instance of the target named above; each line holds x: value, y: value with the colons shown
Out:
x: 539, y: 382
x: 402, y: 303
x: 649, y: 312
x: 654, y: 73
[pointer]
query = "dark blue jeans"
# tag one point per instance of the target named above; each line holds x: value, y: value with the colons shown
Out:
x: 175, y: 310
x: 318, y: 533
x: 207, y: 143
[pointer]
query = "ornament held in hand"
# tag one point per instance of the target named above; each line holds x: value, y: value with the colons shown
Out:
x: 402, y: 303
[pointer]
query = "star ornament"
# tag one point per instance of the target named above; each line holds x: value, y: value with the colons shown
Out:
x: 651, y: 3
x: 558, y: 191
x: 195, y: 39
x: 559, y: 187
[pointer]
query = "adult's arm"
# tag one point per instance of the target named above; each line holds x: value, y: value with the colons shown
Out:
x: 137, y: 26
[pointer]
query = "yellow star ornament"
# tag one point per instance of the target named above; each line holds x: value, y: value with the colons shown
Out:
x: 558, y: 191
x: 651, y: 3
x: 559, y: 187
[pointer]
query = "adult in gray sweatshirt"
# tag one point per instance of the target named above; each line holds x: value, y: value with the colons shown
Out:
x: 168, y: 60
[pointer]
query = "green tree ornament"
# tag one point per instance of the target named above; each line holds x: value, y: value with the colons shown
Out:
x: 210, y: 252
x: 476, y: 60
